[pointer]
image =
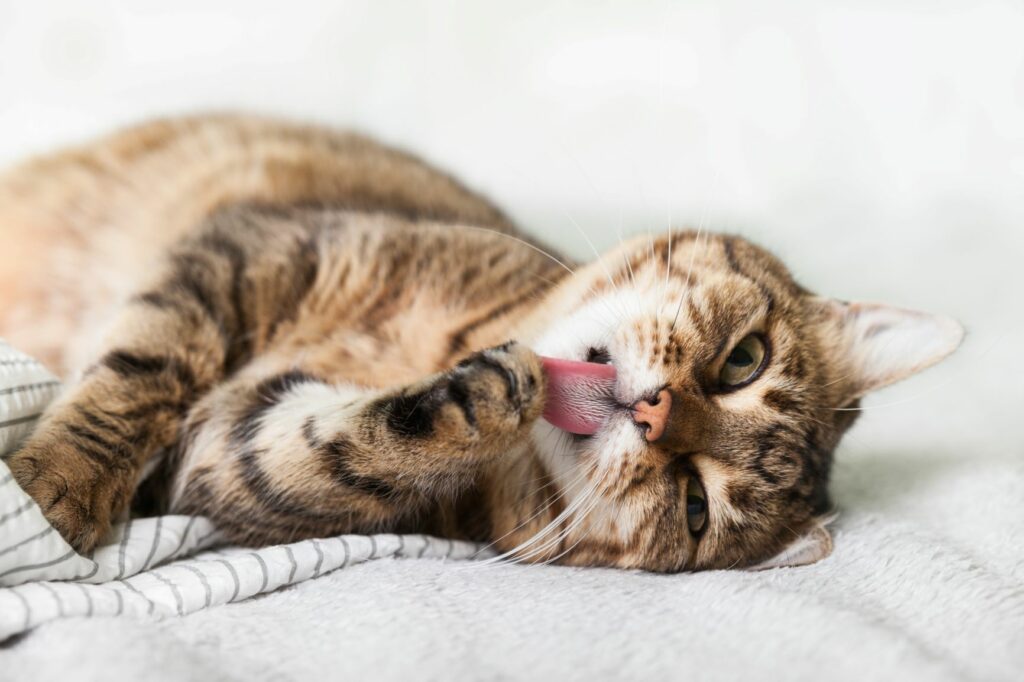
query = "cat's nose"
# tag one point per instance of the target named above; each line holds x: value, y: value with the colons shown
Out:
x: 653, y: 414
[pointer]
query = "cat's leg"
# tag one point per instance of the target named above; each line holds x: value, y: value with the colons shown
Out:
x: 215, y: 295
x: 278, y: 457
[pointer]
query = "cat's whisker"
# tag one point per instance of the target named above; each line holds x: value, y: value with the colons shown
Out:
x: 895, y: 403
x: 524, y: 243
x: 582, y: 537
x: 597, y: 196
x: 844, y: 377
x: 597, y: 254
x: 689, y: 273
x: 625, y: 254
x: 668, y: 266
x: 700, y: 228
x: 593, y: 500
x: 561, y: 492
x: 618, y: 316
x: 554, y: 523
x: 584, y: 499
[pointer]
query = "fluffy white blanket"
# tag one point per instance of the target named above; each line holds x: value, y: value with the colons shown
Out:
x: 925, y: 583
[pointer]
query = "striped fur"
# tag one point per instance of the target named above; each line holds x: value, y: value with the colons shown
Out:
x: 309, y: 334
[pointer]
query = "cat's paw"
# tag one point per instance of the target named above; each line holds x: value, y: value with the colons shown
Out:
x: 488, y: 400
x: 499, y: 389
x: 76, y: 495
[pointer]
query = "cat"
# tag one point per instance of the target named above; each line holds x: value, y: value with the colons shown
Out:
x: 299, y: 332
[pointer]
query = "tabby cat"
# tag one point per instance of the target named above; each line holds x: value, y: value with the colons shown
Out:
x: 298, y: 333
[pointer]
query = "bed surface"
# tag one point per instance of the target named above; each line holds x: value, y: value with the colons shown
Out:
x: 925, y: 583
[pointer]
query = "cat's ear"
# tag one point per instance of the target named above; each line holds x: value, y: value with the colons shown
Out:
x: 809, y: 548
x: 880, y: 345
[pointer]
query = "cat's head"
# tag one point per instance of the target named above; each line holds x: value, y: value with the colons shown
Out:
x: 734, y: 385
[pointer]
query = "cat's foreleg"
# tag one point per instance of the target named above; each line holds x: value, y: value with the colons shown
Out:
x: 289, y: 455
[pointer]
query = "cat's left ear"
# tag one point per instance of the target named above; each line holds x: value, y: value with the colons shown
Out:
x: 812, y: 547
x: 880, y: 345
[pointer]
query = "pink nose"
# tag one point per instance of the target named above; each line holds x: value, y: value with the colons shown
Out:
x: 654, y: 414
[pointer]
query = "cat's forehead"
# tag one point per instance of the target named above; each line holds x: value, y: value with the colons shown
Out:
x: 720, y: 267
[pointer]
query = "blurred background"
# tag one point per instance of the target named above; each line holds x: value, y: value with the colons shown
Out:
x: 876, y: 146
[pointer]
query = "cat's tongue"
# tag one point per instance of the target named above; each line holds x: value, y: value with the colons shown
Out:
x: 581, y: 395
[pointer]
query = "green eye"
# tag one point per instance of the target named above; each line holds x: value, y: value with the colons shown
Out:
x: 696, y: 505
x: 744, y: 362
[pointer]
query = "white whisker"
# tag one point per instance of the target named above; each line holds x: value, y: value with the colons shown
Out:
x: 524, y: 243
x: 554, y: 523
x: 693, y: 254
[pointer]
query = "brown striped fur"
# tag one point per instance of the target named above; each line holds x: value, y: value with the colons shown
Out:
x: 308, y: 333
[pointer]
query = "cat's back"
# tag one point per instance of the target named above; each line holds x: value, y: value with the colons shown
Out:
x: 83, y: 227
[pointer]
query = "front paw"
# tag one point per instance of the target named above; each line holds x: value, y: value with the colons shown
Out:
x: 76, y: 495
x: 498, y: 390
x: 488, y: 400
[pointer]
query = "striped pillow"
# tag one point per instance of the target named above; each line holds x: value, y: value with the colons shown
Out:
x: 26, y: 388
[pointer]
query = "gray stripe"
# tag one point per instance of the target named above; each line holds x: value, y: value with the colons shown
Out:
x: 137, y: 591
x: 234, y: 577
x: 11, y: 514
x: 344, y: 544
x: 18, y: 361
x: 43, y: 532
x: 86, y: 576
x: 156, y: 541
x: 184, y: 536
x: 45, y: 564
x: 6, y: 479
x: 202, y: 578
x: 451, y: 546
x: 201, y: 543
x: 27, y: 387
x: 21, y: 420
x: 263, y: 570
x: 373, y: 547
x: 423, y: 549
x: 174, y: 591
x: 88, y: 600
x: 56, y: 597
x: 28, y: 608
x: 401, y: 545
x: 295, y: 565
x: 319, y: 560
x: 121, y: 551
x: 120, y: 602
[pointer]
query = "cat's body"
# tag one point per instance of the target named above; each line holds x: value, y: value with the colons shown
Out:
x: 283, y: 308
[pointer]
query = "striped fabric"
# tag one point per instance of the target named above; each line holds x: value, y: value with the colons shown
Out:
x: 152, y: 567
x: 26, y: 387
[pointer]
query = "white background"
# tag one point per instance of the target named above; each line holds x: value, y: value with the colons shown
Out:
x: 878, y: 147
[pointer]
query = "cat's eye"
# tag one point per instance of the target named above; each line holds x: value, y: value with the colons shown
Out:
x: 744, y: 363
x: 696, y: 506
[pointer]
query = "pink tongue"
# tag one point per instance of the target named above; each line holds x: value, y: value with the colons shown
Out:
x: 581, y: 395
